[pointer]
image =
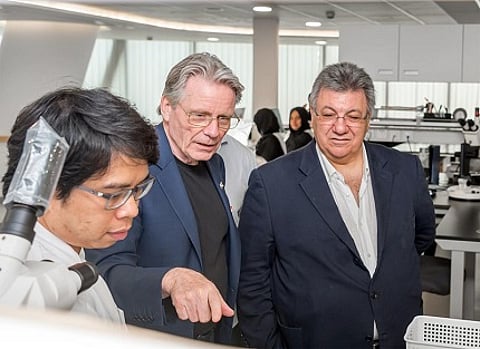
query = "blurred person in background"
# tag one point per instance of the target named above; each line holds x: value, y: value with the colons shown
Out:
x: 239, y: 163
x: 270, y: 144
x: 299, y: 125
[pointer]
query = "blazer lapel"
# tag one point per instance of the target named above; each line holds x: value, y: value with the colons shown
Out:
x: 172, y: 185
x: 382, y: 181
x: 316, y: 189
x: 219, y: 183
x: 217, y: 172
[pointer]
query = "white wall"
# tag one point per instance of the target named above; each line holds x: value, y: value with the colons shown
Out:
x: 141, y: 74
x: 36, y: 57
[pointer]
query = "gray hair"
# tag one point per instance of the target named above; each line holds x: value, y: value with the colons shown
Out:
x: 342, y: 77
x: 205, y: 65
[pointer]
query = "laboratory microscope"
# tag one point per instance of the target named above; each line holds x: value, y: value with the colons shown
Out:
x: 37, y: 284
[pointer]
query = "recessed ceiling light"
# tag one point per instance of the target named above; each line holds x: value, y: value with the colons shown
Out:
x: 125, y: 17
x: 313, y: 24
x: 262, y: 9
x: 213, y: 39
x: 321, y: 42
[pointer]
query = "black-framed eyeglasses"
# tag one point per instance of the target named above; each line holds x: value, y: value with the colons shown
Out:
x: 118, y: 199
x: 202, y: 120
x: 331, y: 118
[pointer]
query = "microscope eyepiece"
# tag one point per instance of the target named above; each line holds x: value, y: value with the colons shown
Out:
x: 19, y: 220
x: 87, y: 272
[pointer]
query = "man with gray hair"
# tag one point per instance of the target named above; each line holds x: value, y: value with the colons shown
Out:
x: 332, y: 233
x: 178, y: 269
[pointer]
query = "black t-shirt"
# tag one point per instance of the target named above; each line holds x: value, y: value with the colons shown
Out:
x: 212, y: 224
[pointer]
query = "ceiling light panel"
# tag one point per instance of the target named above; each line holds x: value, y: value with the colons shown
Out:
x: 262, y: 9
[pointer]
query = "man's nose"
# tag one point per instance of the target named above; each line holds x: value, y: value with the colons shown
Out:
x: 129, y: 209
x: 212, y: 129
x: 340, y: 124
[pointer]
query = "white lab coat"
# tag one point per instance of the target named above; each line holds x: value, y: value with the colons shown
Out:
x: 97, y: 300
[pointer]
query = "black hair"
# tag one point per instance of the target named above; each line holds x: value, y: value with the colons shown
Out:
x: 95, y: 123
x: 266, y: 121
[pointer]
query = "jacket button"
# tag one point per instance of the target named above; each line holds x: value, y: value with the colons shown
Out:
x: 374, y: 295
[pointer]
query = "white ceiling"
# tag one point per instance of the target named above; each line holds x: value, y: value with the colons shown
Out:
x: 292, y: 15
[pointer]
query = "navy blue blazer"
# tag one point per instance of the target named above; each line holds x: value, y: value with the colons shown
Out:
x: 164, y: 235
x: 302, y: 281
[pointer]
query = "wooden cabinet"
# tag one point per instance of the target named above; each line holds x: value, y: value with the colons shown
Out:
x: 373, y: 48
x: 430, y: 53
x: 471, y: 53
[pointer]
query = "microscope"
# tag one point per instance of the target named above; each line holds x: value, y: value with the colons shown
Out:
x: 469, y: 168
x: 39, y: 284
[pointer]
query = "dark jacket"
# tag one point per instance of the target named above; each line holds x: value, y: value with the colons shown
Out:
x: 164, y: 235
x: 302, y: 281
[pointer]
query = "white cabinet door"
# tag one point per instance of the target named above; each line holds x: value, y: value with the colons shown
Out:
x: 471, y: 53
x: 430, y: 53
x: 374, y: 48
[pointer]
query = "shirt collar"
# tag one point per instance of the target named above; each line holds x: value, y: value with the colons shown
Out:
x: 64, y: 251
x: 330, y: 171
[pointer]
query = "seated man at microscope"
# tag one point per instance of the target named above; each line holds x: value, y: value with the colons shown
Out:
x: 104, y: 175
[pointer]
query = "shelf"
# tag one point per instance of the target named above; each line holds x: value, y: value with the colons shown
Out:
x: 414, y: 131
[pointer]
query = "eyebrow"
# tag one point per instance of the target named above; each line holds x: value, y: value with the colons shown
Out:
x: 347, y: 112
x: 210, y: 114
x: 123, y: 186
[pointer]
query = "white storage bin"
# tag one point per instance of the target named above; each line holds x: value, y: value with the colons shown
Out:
x: 430, y: 332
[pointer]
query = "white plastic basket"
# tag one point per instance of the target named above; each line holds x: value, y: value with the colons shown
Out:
x: 430, y: 332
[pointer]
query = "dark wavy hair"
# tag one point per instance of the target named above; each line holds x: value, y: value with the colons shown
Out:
x: 95, y: 123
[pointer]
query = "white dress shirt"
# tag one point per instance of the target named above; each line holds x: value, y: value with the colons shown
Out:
x: 361, y: 218
x: 97, y: 300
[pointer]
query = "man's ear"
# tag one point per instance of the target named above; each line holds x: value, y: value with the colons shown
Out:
x: 165, y: 108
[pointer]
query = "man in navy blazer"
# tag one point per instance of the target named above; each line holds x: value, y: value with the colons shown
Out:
x: 178, y: 269
x: 332, y: 233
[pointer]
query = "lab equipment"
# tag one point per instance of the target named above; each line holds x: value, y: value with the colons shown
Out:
x: 431, y: 332
x: 41, y: 284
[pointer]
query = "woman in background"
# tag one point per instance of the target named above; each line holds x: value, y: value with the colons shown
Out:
x: 269, y: 145
x: 299, y: 123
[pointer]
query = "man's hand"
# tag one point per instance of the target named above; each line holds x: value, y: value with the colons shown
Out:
x: 194, y: 297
